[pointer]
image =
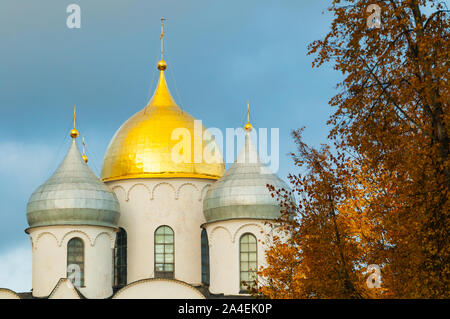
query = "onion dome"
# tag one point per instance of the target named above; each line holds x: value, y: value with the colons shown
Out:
x: 73, y: 195
x: 242, y: 192
x: 143, y: 145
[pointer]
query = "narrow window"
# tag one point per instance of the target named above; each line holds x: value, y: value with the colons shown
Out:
x: 120, y: 259
x: 248, y: 261
x: 205, y: 258
x: 75, y: 261
x: 164, y: 252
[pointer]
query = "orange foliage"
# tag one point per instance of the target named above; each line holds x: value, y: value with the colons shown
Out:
x: 387, y: 200
x: 328, y: 230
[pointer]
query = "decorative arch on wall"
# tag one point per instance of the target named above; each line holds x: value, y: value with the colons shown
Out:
x: 246, y: 225
x: 203, y: 191
x: 119, y: 187
x: 160, y: 184
x: 211, y: 237
x: 41, y: 235
x: 77, y: 231
x: 111, y: 239
x: 136, y: 185
x: 186, y: 184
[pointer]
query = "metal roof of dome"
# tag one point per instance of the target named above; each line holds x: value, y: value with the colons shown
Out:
x: 242, y: 192
x: 143, y: 146
x: 73, y: 195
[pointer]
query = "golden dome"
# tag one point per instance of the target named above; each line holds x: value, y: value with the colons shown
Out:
x: 142, y: 146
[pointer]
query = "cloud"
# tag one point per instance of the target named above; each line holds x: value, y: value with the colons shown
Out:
x: 15, y: 269
x: 23, y: 167
x: 28, y: 163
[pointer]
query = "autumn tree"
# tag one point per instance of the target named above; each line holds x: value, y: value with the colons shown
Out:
x: 392, y: 118
x: 393, y: 111
x: 321, y: 251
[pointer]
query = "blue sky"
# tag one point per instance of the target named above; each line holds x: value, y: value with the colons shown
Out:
x: 219, y: 54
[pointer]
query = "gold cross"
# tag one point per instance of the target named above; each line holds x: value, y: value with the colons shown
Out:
x: 162, y: 36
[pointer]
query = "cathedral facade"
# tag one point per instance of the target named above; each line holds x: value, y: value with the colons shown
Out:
x: 151, y: 227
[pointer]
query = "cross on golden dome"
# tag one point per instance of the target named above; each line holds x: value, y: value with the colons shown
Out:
x: 143, y: 146
x: 162, y: 64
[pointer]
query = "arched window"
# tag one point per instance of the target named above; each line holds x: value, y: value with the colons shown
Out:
x: 248, y: 260
x: 120, y: 259
x: 164, y: 252
x: 75, y: 261
x: 205, y: 257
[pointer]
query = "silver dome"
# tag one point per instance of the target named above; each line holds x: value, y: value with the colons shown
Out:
x: 242, y: 192
x: 73, y: 195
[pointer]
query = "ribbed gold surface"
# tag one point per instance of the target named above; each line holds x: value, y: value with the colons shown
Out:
x: 142, y: 147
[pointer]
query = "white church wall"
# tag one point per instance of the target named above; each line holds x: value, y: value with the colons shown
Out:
x: 64, y: 290
x: 49, y: 261
x: 8, y: 294
x: 158, y: 289
x: 145, y: 205
x: 49, y: 250
x: 224, y: 237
